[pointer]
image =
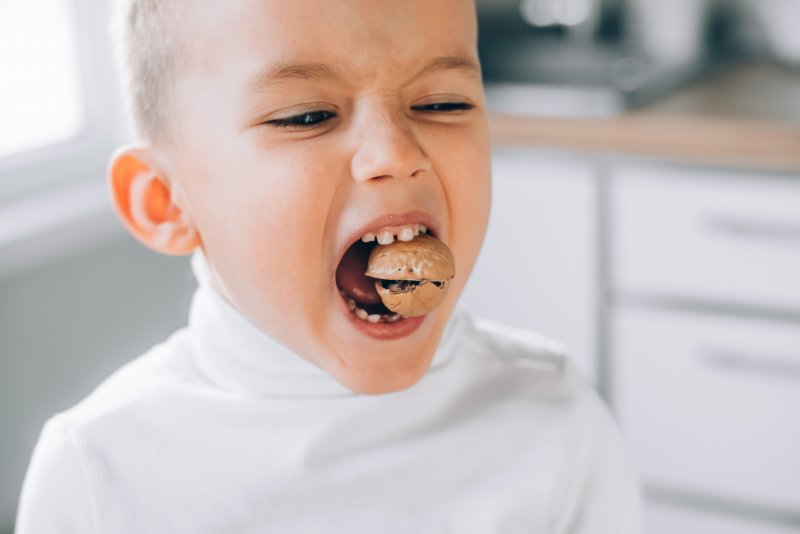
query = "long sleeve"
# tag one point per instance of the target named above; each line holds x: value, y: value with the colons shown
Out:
x: 55, y: 496
x: 601, y: 493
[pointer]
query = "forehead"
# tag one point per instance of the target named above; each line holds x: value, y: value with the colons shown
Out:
x: 248, y: 38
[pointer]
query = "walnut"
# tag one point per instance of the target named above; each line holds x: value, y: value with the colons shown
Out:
x: 412, y: 276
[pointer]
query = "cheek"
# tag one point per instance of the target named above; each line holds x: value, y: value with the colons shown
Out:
x: 471, y: 218
x: 468, y: 189
x: 467, y: 182
x: 264, y: 219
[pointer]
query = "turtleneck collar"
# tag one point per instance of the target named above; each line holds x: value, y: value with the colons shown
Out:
x: 234, y: 354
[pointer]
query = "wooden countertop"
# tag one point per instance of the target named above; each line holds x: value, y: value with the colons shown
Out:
x: 745, y: 117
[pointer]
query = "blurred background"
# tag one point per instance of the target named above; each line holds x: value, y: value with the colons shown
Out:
x: 646, y: 213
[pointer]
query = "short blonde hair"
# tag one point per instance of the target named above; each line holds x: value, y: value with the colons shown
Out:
x: 150, y: 38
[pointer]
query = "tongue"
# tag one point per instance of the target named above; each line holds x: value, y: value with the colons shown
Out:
x: 350, y: 275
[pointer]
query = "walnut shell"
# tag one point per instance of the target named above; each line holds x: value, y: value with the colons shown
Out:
x: 423, y: 258
x: 422, y: 300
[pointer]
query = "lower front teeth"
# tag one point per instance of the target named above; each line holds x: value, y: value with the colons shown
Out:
x: 369, y: 317
x: 372, y: 317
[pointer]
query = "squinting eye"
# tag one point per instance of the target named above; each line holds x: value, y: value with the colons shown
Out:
x: 444, y: 106
x: 304, y: 120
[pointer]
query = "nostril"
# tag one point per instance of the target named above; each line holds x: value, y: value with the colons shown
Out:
x: 395, y: 155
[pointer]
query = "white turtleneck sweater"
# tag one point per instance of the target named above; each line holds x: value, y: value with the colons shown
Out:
x: 220, y: 429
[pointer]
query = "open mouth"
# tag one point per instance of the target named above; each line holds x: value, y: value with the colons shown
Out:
x: 358, y: 290
x: 392, y: 277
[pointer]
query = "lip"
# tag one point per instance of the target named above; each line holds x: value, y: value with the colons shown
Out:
x: 391, y: 219
x: 383, y: 331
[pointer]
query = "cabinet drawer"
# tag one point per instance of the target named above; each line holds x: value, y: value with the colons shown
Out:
x: 709, y: 404
x: 728, y: 237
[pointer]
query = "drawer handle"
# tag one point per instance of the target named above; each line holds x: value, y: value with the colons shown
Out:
x: 775, y: 366
x: 739, y: 226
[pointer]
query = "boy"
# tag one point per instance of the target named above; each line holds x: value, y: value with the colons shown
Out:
x: 279, y: 138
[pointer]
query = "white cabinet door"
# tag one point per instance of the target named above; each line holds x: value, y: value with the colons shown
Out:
x: 709, y: 404
x: 707, y: 235
x: 538, y: 265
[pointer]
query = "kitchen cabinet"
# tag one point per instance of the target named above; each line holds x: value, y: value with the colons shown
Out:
x: 703, y: 308
x: 728, y: 237
x: 537, y: 268
x: 676, y: 289
x: 708, y: 403
x: 694, y: 236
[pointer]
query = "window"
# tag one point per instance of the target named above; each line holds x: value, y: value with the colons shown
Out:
x: 40, y: 99
x: 62, y: 113
x: 61, y: 117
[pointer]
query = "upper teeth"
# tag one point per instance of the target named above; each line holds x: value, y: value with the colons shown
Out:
x: 403, y: 233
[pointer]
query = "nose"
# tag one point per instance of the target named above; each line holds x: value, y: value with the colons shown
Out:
x: 387, y: 148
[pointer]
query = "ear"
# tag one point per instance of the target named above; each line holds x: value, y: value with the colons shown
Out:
x: 146, y: 204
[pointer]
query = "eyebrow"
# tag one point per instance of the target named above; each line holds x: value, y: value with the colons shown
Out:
x: 443, y: 63
x: 320, y: 71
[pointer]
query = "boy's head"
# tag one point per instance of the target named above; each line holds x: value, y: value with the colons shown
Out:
x: 275, y: 133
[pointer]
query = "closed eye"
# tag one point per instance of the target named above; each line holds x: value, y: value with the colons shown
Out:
x: 309, y: 119
x: 444, y: 107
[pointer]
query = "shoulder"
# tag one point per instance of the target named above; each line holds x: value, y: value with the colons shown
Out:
x: 596, y: 485
x: 541, y: 363
x: 132, y: 384
x: 57, y: 493
x: 514, y: 347
x: 55, y: 496
x: 598, y: 489
x: 530, y: 367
